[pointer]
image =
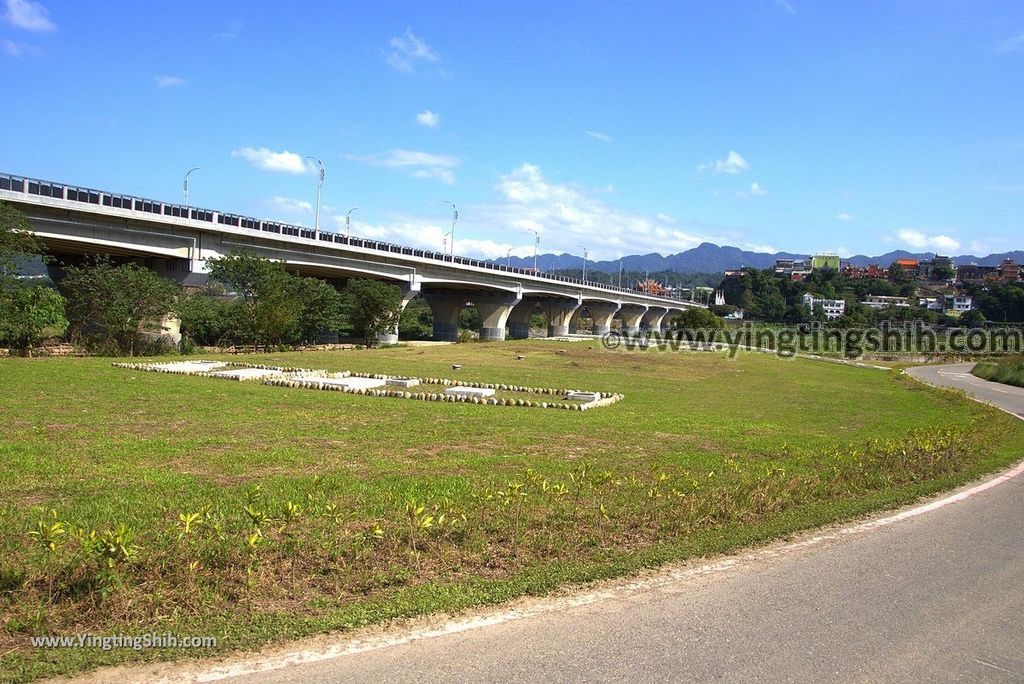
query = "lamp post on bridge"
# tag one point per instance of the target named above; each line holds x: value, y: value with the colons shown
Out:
x: 536, y: 243
x: 348, y: 221
x: 319, y: 184
x: 455, y: 218
x: 184, y: 184
x: 508, y: 258
x: 584, y: 263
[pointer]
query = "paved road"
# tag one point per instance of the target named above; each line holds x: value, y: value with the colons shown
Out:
x: 959, y: 375
x: 932, y: 597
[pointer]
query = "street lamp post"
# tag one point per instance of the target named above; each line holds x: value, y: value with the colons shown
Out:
x: 319, y: 184
x: 348, y: 221
x: 584, y: 263
x: 455, y: 218
x: 508, y: 258
x: 536, y: 243
x: 184, y: 184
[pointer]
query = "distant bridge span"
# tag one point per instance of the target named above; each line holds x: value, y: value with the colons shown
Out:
x: 175, y: 240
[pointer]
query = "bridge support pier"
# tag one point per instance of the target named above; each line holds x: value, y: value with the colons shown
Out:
x: 653, y: 318
x: 494, y: 312
x: 559, y: 312
x: 392, y: 337
x: 602, y: 315
x: 519, y: 319
x: 446, y: 307
x: 631, y: 315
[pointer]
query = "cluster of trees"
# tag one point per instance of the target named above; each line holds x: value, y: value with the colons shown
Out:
x: 764, y: 296
x: 117, y: 309
x: 252, y: 300
x: 28, y: 313
x: 1000, y: 302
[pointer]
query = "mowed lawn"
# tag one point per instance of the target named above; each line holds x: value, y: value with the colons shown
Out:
x: 259, y: 513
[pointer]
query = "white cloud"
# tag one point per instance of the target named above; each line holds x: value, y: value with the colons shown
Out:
x: 14, y: 49
x: 785, y: 6
x: 31, y: 16
x: 919, y: 240
x: 1012, y: 43
x: 168, y: 81
x: 408, y: 50
x: 764, y: 249
x: 597, y: 135
x: 566, y: 215
x: 289, y: 205
x: 428, y: 118
x: 268, y: 160
x: 416, y: 164
x: 733, y: 164
x: 845, y: 216
x: 755, y: 191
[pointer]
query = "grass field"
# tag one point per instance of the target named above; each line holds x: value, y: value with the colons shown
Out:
x: 1009, y: 371
x: 253, y: 513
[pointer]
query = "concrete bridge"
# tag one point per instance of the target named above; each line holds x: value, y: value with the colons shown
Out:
x: 175, y: 241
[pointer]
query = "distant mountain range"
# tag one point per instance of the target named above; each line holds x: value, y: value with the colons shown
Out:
x: 709, y: 258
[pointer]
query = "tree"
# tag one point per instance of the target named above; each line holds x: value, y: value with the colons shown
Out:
x: 322, y: 309
x: 30, y: 314
x: 898, y: 274
x: 109, y: 305
x: 698, y: 319
x: 15, y: 240
x: 374, y: 307
x: 256, y: 280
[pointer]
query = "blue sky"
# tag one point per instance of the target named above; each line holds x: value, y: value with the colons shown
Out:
x: 856, y: 127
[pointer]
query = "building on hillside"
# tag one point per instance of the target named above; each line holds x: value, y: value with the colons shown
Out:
x: 931, y: 303
x: 1009, y: 271
x: 973, y: 273
x: 871, y: 271
x: 954, y: 305
x: 791, y: 267
x: 834, y: 308
x: 820, y: 261
x: 909, y: 266
x: 885, y: 301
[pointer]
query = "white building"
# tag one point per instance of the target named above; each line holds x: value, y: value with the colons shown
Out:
x: 957, y: 304
x: 834, y: 308
x: 884, y: 301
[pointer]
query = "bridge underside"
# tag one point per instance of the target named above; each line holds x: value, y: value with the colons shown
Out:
x: 506, y: 306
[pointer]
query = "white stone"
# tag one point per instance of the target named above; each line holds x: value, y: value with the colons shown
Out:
x: 246, y: 374
x: 469, y: 391
x: 350, y: 383
x: 187, y: 366
x: 402, y: 382
x: 584, y: 396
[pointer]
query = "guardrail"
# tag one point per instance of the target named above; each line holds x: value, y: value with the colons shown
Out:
x: 33, y: 186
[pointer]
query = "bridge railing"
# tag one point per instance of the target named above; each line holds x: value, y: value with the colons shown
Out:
x: 42, y: 188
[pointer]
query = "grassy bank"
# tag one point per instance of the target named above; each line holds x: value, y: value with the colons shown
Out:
x: 203, y: 506
x: 1009, y: 371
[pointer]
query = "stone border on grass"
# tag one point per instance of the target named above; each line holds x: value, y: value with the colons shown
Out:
x: 311, y: 378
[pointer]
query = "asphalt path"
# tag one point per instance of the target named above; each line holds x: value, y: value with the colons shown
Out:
x: 933, y: 593
x: 1006, y: 397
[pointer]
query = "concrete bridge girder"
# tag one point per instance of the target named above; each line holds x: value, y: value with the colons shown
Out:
x: 494, y: 314
x: 653, y: 317
x: 494, y: 309
x: 631, y: 315
x: 559, y: 313
x: 602, y: 313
